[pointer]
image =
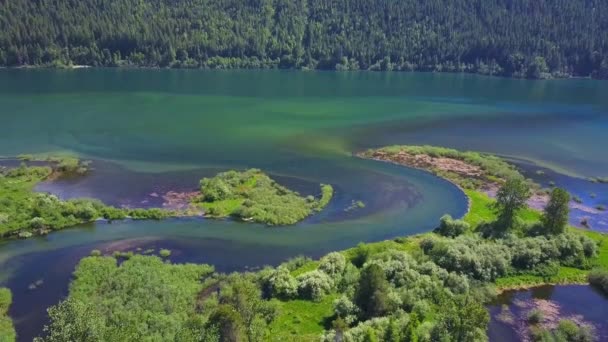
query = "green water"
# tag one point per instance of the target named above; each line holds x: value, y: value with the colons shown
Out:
x: 154, y: 130
x: 174, y: 118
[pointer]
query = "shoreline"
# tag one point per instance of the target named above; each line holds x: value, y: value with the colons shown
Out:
x: 83, y: 66
x: 469, y: 202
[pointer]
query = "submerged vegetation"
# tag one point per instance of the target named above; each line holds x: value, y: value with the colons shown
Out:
x: 427, y: 287
x: 7, y: 332
x: 253, y: 196
x: 249, y: 195
x: 24, y: 212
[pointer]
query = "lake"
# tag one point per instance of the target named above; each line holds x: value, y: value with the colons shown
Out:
x: 153, y: 131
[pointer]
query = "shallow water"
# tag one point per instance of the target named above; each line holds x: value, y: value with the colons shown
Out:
x: 152, y: 131
x: 580, y: 303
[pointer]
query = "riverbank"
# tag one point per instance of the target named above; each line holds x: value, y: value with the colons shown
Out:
x: 249, y: 196
x: 480, y: 176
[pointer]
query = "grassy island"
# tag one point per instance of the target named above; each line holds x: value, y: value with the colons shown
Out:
x: 24, y: 212
x: 427, y: 287
x: 253, y: 196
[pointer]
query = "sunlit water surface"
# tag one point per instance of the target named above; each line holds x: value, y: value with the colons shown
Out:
x: 152, y: 131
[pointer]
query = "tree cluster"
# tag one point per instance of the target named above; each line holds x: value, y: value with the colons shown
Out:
x: 521, y: 38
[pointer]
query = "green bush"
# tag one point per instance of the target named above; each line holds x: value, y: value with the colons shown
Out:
x: 333, y: 264
x: 282, y: 284
x: 599, y: 279
x: 535, y: 316
x: 450, y: 227
x: 314, y: 285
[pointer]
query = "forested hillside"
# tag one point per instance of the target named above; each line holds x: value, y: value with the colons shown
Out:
x: 520, y: 38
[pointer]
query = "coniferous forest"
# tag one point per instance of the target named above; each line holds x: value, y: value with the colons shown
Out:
x: 518, y: 38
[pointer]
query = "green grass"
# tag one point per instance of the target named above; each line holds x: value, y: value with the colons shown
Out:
x: 480, y: 211
x: 301, y: 320
x: 222, y: 208
x: 307, y: 267
x: 7, y: 331
x: 327, y: 192
x: 24, y: 212
x: 253, y: 196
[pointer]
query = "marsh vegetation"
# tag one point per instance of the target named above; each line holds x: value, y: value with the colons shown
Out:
x: 253, y: 196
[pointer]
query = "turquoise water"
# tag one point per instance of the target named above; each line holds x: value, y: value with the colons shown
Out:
x: 152, y: 131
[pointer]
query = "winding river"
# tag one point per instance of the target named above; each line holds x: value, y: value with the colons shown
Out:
x: 153, y: 131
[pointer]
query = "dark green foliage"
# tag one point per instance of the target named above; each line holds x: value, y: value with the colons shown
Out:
x: 465, y: 319
x: 361, y: 253
x: 242, y: 314
x: 142, y: 297
x: 510, y: 198
x: 371, y: 295
x: 523, y: 38
x: 228, y: 323
x: 599, y: 279
x: 567, y: 331
x: 555, y: 216
x: 450, y: 227
x: 7, y: 332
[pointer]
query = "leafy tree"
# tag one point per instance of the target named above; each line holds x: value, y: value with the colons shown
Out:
x: 555, y: 216
x: 510, y: 198
x: 463, y: 320
x: 228, y: 322
x: 372, y: 293
x: 530, y: 38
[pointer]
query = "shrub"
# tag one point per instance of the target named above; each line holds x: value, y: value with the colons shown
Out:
x: 450, y: 227
x: 333, y: 264
x: 479, y: 260
x: 282, y: 284
x: 165, y: 253
x: 314, y: 285
x: 569, y: 331
x: 37, y: 222
x: 344, y: 308
x: 599, y: 279
x: 349, y: 279
x: 535, y: 316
